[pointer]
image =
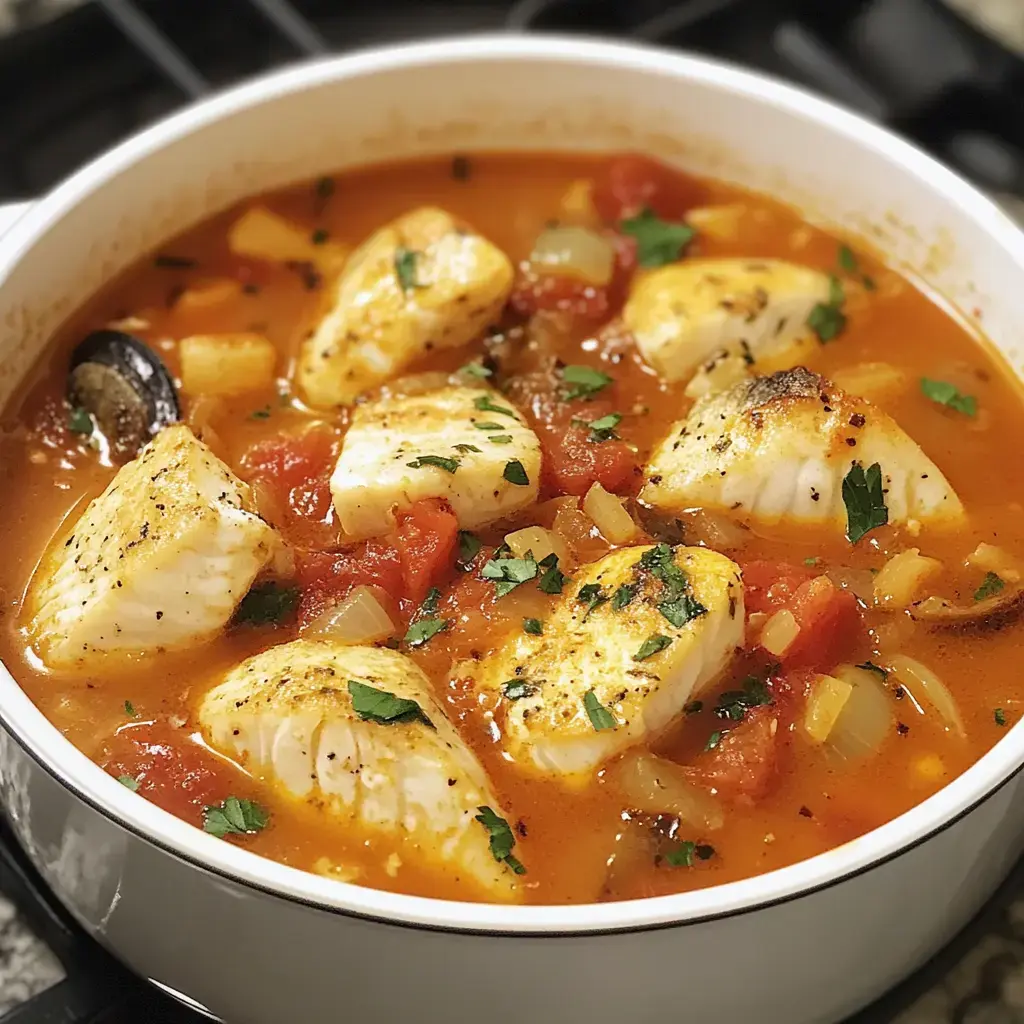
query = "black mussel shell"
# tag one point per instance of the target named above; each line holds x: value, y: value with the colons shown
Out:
x: 126, y: 387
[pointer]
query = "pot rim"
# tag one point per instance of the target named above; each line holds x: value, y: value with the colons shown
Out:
x: 73, y: 770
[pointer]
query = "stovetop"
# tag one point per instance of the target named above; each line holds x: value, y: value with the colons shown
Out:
x: 78, y: 83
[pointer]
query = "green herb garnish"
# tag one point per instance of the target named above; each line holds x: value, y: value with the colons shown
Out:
x: 678, y: 605
x: 405, y: 268
x: 508, y: 573
x: 267, y: 604
x: 533, y: 626
x: 652, y: 645
x: 623, y: 596
x: 500, y: 438
x: 693, y: 707
x: 584, y: 382
x: 600, y: 717
x: 79, y: 421
x: 319, y: 236
x: 502, y: 839
x: 553, y: 579
x: 422, y: 630
x: 990, y: 586
x: 129, y: 708
x: 657, y: 241
x: 602, y: 429
x: 234, y: 817
x: 734, y: 704
x: 484, y: 404
x: 516, y: 689
x: 477, y: 370
x: 469, y: 546
x: 865, y: 503
x: 488, y: 425
x: 465, y: 449
x: 439, y: 461
x: 260, y: 414
x: 944, y: 393
x: 1000, y: 716
x: 827, y: 319
x: 713, y: 740
x: 514, y: 473
x: 129, y: 783
x: 382, y: 707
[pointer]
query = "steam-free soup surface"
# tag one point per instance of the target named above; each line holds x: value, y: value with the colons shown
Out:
x: 785, y: 774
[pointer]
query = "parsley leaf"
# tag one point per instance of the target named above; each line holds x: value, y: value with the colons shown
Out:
x: 591, y: 594
x: 488, y: 425
x: 600, y: 717
x: 947, y: 394
x: 734, y: 704
x: 448, y: 465
x: 693, y: 707
x: 678, y: 604
x: 422, y: 630
x: 129, y: 708
x: 405, y: 268
x: 516, y: 689
x: 870, y: 666
x: 584, y: 382
x: 79, y: 421
x: 267, y: 604
x: 652, y: 645
x: 1000, y: 716
x: 502, y: 839
x: 234, y: 817
x: 469, y: 547
x: 533, y: 626
x: 713, y: 740
x: 382, y: 707
x: 508, y: 573
x: 623, y: 596
x: 129, y: 783
x: 430, y: 602
x: 681, y: 610
x: 553, y: 579
x: 319, y: 236
x: 681, y: 856
x: 602, y: 429
x: 477, y: 370
x: 847, y: 260
x: 657, y: 241
x: 500, y: 438
x: 484, y: 404
x: 865, y: 503
x: 260, y: 414
x: 465, y: 449
x: 514, y: 473
x: 827, y: 319
x: 990, y: 586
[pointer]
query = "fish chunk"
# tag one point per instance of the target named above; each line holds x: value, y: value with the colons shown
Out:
x: 686, y: 314
x: 601, y: 655
x: 446, y: 435
x: 778, y: 448
x: 159, y: 560
x: 419, y: 284
x: 289, y: 716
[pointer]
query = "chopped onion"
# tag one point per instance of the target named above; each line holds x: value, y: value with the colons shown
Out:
x: 871, y: 380
x: 358, y: 619
x: 577, y: 204
x: 825, y: 704
x: 653, y: 785
x: 719, y: 222
x: 574, y: 251
x: 537, y: 540
x: 718, y: 532
x: 779, y: 632
x: 901, y: 578
x: 921, y: 680
x: 866, y: 717
x: 989, y: 558
x: 576, y: 528
x: 614, y: 522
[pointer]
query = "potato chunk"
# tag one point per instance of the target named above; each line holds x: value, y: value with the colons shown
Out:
x: 226, y: 364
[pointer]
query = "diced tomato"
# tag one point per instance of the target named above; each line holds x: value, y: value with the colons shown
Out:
x: 744, y: 763
x: 171, y: 770
x: 633, y: 183
x: 426, y: 538
x: 327, y: 576
x: 828, y: 618
x: 534, y: 292
x: 769, y: 586
x: 574, y: 463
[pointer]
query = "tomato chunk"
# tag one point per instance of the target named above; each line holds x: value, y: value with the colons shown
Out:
x: 171, y: 769
x: 426, y: 538
x: 633, y: 183
x: 828, y: 618
x: 769, y: 586
x: 533, y: 293
x: 574, y: 463
x: 327, y: 576
x: 744, y: 764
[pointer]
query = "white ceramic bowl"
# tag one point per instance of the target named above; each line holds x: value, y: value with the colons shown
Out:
x: 261, y: 943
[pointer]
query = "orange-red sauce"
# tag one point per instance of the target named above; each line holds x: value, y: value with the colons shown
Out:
x: 565, y: 838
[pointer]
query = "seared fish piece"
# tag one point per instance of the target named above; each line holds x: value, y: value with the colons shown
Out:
x: 323, y: 722
x: 637, y: 635
x: 421, y: 283
x: 159, y: 560
x: 685, y: 314
x: 438, y: 444
x: 779, y: 447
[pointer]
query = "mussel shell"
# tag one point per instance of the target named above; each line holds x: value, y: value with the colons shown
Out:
x: 126, y: 387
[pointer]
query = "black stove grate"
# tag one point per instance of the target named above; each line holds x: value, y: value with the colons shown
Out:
x: 98, y: 73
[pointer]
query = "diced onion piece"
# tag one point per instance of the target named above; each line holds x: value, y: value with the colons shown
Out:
x: 859, y: 582
x: 577, y: 205
x: 928, y: 769
x: 718, y: 222
x: 716, y: 531
x: 631, y: 856
x: 866, y: 718
x: 989, y: 558
x: 900, y: 580
x: 358, y: 619
x: 653, y: 785
x: 261, y: 234
x: 614, y: 522
x: 717, y: 375
x: 208, y: 294
x: 572, y: 251
x: 537, y: 540
x: 871, y: 380
x: 922, y: 680
x: 824, y: 706
x: 226, y: 364
x: 574, y: 526
x: 779, y: 632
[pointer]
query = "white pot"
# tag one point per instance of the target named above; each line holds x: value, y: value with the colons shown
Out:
x: 260, y: 943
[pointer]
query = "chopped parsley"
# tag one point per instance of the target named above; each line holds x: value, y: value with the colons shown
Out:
x: 592, y: 595
x: 848, y: 264
x: 553, y: 579
x: 623, y: 596
x: 870, y: 666
x: 439, y: 461
x: 502, y: 838
x: 682, y: 609
x: 944, y: 393
x: 713, y: 740
x: 260, y: 414
x: 484, y: 404
x: 382, y: 707
x: 319, y: 236
x: 734, y: 704
x: 678, y: 605
x: 991, y: 585
x: 693, y: 707
x: 516, y: 689
x: 864, y: 500
x: 600, y: 717
x: 583, y: 382
x: 79, y: 421
x: 602, y: 429
x: 683, y: 854
x: 129, y: 708
x: 1000, y: 716
x: 508, y: 573
x: 234, y: 817
x: 488, y: 425
x: 812, y: 561
x: 500, y: 438
x: 324, y: 188
x: 465, y: 449
x: 405, y: 268
x: 129, y: 783
x: 469, y: 547
x: 657, y: 241
x: 267, y: 604
x: 514, y: 473
x: 652, y: 645
x: 477, y: 370
x: 533, y: 626
x: 422, y: 630
x: 827, y: 319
